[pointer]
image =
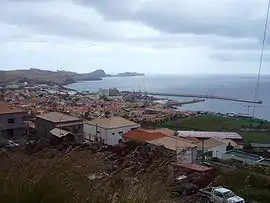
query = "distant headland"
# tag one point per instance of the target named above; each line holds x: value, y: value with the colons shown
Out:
x: 37, y: 76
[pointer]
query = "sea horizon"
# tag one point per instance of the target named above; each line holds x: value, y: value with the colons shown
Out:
x: 241, y: 87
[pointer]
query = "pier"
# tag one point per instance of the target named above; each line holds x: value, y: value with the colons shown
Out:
x: 204, y: 96
x: 176, y: 103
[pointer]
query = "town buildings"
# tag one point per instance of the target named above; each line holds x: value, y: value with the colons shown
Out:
x: 12, y: 121
x: 108, y: 130
x: 45, y: 123
x: 185, y: 151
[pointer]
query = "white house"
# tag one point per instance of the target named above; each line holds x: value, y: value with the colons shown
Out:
x: 108, y: 130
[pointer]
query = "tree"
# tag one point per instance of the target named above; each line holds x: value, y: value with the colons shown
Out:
x: 86, y: 115
x: 248, y: 146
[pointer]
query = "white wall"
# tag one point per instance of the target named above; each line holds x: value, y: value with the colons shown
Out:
x: 187, y: 155
x: 217, y: 151
x: 110, y: 136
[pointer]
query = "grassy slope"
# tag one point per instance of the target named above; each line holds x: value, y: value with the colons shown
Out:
x: 51, y: 176
x: 251, y: 182
x: 257, y: 137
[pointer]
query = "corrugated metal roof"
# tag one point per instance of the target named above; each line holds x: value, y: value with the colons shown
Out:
x: 57, y: 117
x: 139, y: 135
x: 205, y: 134
x: 59, y: 132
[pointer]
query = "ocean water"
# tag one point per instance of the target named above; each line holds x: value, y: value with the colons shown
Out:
x: 236, y: 86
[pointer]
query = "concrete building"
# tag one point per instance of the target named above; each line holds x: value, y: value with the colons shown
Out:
x: 202, y: 135
x: 49, y: 121
x: 200, y: 175
x: 185, y: 151
x: 12, y: 121
x: 113, y: 92
x: 108, y: 130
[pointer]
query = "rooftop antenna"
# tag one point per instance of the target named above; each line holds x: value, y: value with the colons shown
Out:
x: 262, y: 54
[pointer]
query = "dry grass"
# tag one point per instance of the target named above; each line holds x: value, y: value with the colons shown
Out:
x: 51, y: 176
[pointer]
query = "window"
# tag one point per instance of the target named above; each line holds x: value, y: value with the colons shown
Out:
x: 98, y: 131
x: 11, y: 120
x: 218, y: 194
x: 120, y: 132
x: 75, y: 130
x: 113, y: 133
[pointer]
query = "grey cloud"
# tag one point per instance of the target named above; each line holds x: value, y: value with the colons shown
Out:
x: 240, y: 56
x: 54, y: 25
x: 113, y: 9
x: 239, y: 18
x: 181, y: 23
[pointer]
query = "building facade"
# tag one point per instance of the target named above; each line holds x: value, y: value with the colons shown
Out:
x: 212, y: 147
x: 108, y: 130
x: 49, y: 121
x: 12, y: 121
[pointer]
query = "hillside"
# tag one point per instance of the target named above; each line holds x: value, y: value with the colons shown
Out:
x: 35, y: 76
x: 41, y: 76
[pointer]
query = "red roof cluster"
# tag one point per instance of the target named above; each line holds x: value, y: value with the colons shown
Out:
x: 141, y: 135
x: 195, y: 167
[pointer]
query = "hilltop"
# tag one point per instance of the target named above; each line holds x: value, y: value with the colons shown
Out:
x: 34, y: 76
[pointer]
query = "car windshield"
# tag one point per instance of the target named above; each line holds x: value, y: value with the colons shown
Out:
x: 228, y: 194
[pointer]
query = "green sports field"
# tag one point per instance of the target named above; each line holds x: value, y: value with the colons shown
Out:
x: 220, y: 123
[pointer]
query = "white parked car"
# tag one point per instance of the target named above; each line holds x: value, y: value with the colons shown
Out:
x: 221, y: 195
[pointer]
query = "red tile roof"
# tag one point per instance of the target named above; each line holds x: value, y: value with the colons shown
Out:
x: 194, y: 167
x: 6, y: 108
x: 142, y: 135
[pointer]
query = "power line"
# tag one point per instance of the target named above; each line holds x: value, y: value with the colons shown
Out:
x: 262, y: 54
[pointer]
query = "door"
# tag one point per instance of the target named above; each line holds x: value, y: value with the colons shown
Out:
x: 218, y: 197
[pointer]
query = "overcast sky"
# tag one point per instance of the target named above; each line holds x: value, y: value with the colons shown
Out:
x: 150, y: 36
